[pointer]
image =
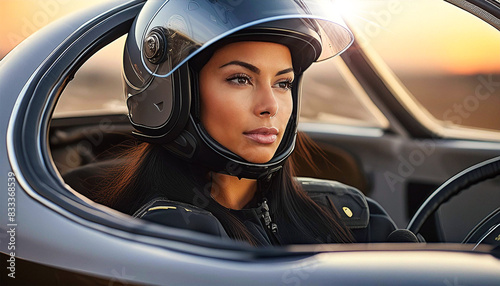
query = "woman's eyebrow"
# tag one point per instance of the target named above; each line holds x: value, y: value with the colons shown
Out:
x: 243, y: 64
x: 284, y: 71
x: 254, y: 68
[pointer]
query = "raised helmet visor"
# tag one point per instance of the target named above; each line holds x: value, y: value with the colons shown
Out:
x: 180, y: 29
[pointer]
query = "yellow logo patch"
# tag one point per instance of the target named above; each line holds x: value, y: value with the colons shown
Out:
x: 347, y: 211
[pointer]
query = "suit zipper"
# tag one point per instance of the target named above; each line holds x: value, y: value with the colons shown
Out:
x: 269, y: 225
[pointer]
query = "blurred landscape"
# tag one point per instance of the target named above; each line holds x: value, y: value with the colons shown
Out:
x: 466, y: 100
x: 471, y: 100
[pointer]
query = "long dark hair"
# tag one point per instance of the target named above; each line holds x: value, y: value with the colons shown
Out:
x: 149, y: 171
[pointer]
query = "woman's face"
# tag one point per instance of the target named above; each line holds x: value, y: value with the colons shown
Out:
x: 246, y: 98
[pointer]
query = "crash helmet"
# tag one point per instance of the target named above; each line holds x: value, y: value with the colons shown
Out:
x: 170, y: 38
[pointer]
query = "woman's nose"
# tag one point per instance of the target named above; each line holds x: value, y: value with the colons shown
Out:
x: 266, y: 103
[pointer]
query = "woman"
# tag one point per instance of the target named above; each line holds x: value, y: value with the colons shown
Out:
x: 213, y: 87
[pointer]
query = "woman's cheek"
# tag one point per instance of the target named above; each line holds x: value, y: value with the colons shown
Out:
x: 287, y: 107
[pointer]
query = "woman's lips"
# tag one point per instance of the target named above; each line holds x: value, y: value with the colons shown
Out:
x: 263, y: 135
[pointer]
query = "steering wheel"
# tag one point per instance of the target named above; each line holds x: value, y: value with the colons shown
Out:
x: 480, y: 172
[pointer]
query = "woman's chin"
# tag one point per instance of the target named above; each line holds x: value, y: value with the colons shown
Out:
x: 257, y: 155
x: 260, y: 159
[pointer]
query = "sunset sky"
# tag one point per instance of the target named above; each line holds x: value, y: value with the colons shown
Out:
x: 21, y: 18
x: 440, y: 34
x: 473, y: 47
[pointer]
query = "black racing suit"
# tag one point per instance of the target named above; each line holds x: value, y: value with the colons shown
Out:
x: 267, y: 229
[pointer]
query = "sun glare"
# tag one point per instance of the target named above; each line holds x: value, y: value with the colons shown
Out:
x: 347, y: 7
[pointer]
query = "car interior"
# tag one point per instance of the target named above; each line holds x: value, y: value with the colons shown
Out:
x: 366, y: 218
x: 83, y: 147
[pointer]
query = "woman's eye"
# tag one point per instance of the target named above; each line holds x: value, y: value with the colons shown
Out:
x: 240, y: 79
x: 286, y: 84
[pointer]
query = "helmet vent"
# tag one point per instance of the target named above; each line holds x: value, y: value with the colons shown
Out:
x: 159, y: 106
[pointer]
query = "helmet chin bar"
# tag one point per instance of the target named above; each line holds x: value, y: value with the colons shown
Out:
x: 196, y: 146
